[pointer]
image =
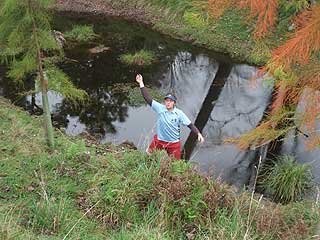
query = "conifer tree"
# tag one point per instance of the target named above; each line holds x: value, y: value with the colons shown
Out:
x: 295, y: 66
x: 28, y: 46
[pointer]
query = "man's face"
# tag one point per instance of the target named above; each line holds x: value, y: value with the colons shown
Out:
x: 169, y: 103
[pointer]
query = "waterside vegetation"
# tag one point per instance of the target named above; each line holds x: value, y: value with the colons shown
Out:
x: 85, y: 190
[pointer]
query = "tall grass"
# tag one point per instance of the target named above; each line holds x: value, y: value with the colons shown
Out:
x: 81, y: 191
x: 48, y: 217
x: 179, y: 6
x: 287, y: 180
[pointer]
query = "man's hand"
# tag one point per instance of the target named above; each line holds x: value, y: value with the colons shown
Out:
x: 200, y: 138
x: 139, y: 79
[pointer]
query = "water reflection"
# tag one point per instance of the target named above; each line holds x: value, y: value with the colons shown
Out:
x: 295, y: 143
x: 188, y: 76
x: 239, y: 108
x: 98, y: 115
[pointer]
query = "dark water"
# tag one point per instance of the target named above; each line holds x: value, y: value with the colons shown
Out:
x: 216, y: 93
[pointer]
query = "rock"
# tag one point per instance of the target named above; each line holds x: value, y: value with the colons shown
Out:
x: 291, y: 27
x: 99, y: 49
x: 59, y: 38
x: 128, y: 144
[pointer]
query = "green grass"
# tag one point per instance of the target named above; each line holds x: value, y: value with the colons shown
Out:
x: 81, y: 33
x: 287, y: 180
x: 231, y: 34
x: 86, y: 191
x: 140, y: 58
x: 188, y: 20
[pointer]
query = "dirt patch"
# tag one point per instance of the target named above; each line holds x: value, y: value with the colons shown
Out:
x: 101, y: 8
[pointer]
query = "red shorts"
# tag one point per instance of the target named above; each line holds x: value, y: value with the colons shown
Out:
x: 173, y: 149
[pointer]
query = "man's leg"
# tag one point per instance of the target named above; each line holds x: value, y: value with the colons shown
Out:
x: 155, y: 144
x: 173, y: 149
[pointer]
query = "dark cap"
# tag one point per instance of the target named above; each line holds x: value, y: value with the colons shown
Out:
x: 170, y: 96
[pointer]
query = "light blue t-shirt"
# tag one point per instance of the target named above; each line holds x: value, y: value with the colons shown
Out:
x: 168, y: 123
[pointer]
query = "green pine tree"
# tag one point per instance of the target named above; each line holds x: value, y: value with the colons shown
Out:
x: 28, y: 46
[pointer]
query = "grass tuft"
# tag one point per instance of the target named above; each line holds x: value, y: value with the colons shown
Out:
x: 81, y: 33
x: 287, y: 180
x: 140, y: 58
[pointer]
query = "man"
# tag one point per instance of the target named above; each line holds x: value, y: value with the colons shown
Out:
x: 170, y: 118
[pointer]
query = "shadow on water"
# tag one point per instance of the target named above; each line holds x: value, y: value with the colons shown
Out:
x: 214, y: 92
x: 207, y: 106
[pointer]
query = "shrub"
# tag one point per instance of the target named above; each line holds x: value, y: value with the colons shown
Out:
x: 287, y: 180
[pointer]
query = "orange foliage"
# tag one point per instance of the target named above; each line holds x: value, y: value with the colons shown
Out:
x: 266, y: 11
x: 311, y: 76
x: 217, y: 7
x: 262, y: 134
x: 295, y: 69
x: 304, y: 42
x: 311, y: 118
x: 312, y: 109
x: 279, y: 98
x: 313, y: 142
x: 299, y: 49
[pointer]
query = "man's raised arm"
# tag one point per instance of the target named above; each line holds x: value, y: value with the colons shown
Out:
x: 144, y: 91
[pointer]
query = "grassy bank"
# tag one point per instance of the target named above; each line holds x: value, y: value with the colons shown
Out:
x: 83, y: 190
x: 230, y: 33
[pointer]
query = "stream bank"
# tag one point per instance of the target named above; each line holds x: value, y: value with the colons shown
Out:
x: 119, y: 193
x: 230, y: 35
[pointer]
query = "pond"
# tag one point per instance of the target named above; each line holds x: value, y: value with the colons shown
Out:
x: 219, y: 95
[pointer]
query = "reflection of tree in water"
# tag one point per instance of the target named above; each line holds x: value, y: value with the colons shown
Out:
x: 99, y: 74
x: 17, y: 91
x: 103, y: 108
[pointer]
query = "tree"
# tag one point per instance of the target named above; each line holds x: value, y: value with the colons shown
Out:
x: 295, y: 66
x: 28, y: 46
x: 266, y: 13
